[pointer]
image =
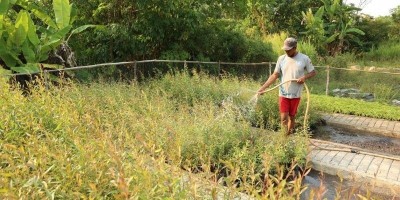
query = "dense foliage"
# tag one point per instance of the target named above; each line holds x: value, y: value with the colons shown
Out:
x: 35, y: 31
x: 223, y: 30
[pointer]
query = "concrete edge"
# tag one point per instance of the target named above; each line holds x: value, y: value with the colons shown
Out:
x: 376, y: 184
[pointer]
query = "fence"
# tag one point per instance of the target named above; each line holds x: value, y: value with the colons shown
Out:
x: 334, y: 77
x: 138, y: 68
x: 383, y: 85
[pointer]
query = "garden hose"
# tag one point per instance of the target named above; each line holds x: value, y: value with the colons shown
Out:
x: 351, y: 150
x: 308, y: 99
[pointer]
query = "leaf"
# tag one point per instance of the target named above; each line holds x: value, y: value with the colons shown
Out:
x: 21, y: 28
x: 27, y: 68
x: 319, y: 13
x: 6, y: 174
x: 355, y: 30
x: 1, y: 25
x: 80, y: 29
x: 60, y: 34
x: 8, y: 56
x: 32, y: 35
x: 39, y: 13
x: 331, y: 38
x: 74, y: 13
x: 62, y: 11
x: 4, y: 6
x: 28, y: 53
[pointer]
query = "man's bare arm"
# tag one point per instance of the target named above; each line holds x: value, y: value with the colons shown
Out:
x: 270, y: 81
x: 307, y: 76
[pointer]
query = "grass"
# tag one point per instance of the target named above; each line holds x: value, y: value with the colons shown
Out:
x: 385, y: 55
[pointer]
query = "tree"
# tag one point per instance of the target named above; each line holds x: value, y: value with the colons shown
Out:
x: 334, y: 26
x: 189, y: 29
x: 394, y: 32
x: 376, y: 31
x: 138, y: 29
x: 273, y: 16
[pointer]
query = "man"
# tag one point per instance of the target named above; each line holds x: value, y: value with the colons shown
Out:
x: 292, y: 65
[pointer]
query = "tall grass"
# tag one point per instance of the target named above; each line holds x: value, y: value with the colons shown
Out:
x: 309, y: 49
x: 386, y: 53
x: 305, y: 47
x: 132, y: 141
x: 276, y: 41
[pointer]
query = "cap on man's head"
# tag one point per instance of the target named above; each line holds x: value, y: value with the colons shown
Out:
x: 289, y: 43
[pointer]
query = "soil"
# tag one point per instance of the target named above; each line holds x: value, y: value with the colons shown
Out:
x: 376, y: 143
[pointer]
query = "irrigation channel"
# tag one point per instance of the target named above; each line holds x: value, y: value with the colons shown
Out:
x: 373, y: 142
x: 377, y: 143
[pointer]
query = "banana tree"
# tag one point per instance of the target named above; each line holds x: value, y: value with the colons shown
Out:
x: 25, y: 46
x: 331, y: 26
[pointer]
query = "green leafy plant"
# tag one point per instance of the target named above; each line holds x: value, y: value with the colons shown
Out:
x: 28, y: 35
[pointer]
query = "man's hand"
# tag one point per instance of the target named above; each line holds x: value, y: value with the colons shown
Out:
x: 260, y: 92
x: 301, y: 80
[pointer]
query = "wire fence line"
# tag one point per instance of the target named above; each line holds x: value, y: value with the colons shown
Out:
x: 359, y: 70
x: 138, y: 62
x: 269, y: 64
x: 333, y: 73
x: 261, y: 69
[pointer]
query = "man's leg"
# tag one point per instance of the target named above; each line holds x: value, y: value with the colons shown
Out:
x: 288, y: 110
x: 294, y: 104
x: 285, y: 122
x: 291, y: 124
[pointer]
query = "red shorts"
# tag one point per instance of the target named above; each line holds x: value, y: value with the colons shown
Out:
x: 289, y: 105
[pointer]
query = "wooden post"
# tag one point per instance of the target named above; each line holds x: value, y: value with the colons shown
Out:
x: 270, y: 68
x: 327, y: 81
x: 135, y: 71
x: 219, y: 68
x: 43, y: 75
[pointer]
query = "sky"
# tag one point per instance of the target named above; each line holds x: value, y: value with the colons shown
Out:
x: 376, y: 8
